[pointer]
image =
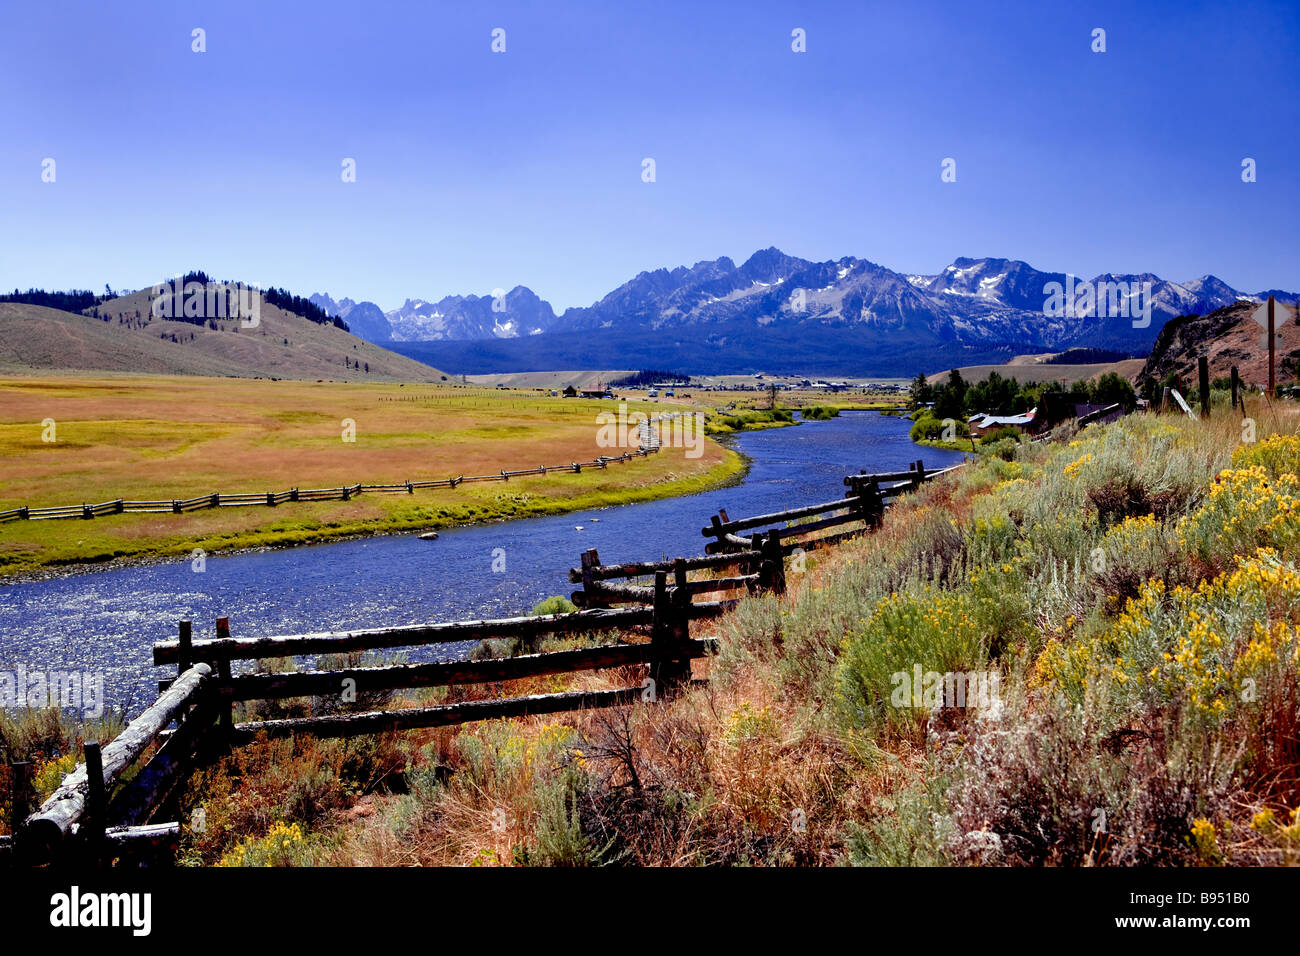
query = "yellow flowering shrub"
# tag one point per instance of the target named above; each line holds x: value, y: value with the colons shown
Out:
x: 1214, y: 647
x: 1073, y: 468
x: 284, y: 845
x: 1205, y: 841
x: 505, y: 756
x: 1247, y: 508
x: 1278, y: 455
x: 1281, y: 838
x: 51, y: 773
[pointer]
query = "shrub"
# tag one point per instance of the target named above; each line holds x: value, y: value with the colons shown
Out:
x: 929, y: 428
x: 936, y: 631
x: 555, y: 604
x: 1278, y: 455
x: 283, y: 845
x: 820, y: 413
x: 1246, y: 509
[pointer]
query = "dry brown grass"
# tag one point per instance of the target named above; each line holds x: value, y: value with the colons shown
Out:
x: 165, y: 438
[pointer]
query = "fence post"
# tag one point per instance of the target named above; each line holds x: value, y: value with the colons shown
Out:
x: 1203, y: 381
x: 92, y: 826
x: 870, y: 505
x: 590, y: 559
x: 184, y: 655
x: 755, y: 563
x: 20, y: 778
x: 668, y: 632
x: 919, y: 480
x: 226, y: 720
x: 771, y: 562
x: 1236, y: 385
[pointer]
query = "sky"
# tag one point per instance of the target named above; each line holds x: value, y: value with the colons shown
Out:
x: 478, y: 170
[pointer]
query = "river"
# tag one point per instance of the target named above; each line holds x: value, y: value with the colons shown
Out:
x: 105, y: 622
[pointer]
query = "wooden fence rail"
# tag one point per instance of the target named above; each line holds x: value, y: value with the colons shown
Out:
x: 272, y: 499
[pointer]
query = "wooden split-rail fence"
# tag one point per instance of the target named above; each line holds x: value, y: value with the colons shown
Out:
x: 114, y: 806
x: 271, y: 499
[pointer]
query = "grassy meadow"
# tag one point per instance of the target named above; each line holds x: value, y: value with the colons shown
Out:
x: 1134, y: 588
x: 150, y: 438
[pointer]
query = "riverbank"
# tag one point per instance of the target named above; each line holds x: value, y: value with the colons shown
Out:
x: 485, y: 506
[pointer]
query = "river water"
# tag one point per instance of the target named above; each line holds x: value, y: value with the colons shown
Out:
x: 105, y: 622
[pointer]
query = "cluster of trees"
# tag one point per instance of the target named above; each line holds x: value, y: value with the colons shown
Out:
x: 1082, y: 356
x: 74, y: 300
x: 283, y: 299
x: 997, y: 395
x: 647, y: 377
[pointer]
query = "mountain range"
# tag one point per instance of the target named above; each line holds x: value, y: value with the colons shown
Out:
x: 780, y: 312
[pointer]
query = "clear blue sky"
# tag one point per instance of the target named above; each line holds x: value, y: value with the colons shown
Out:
x: 477, y: 170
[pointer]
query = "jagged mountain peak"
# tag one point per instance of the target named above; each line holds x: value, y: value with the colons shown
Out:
x: 986, y: 302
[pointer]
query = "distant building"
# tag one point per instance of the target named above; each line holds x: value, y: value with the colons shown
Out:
x: 596, y: 393
x: 570, y: 392
x: 981, y: 425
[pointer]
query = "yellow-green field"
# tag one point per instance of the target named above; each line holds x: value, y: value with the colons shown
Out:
x: 150, y: 438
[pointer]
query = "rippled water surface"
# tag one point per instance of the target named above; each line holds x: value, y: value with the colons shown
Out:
x: 107, y: 621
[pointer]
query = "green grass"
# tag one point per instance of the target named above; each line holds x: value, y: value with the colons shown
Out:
x: 114, y: 537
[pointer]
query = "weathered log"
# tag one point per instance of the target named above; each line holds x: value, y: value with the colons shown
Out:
x: 1087, y: 419
x: 154, y: 834
x: 445, y: 673
x: 759, y: 521
x: 817, y: 544
x: 908, y: 475
x: 380, y: 638
x: 637, y: 569
x: 820, y: 525
x: 151, y: 786
x: 44, y: 830
x: 383, y: 721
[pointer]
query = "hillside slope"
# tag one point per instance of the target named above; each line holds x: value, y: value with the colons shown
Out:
x: 1026, y: 372
x: 124, y: 336
x: 1228, y: 337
